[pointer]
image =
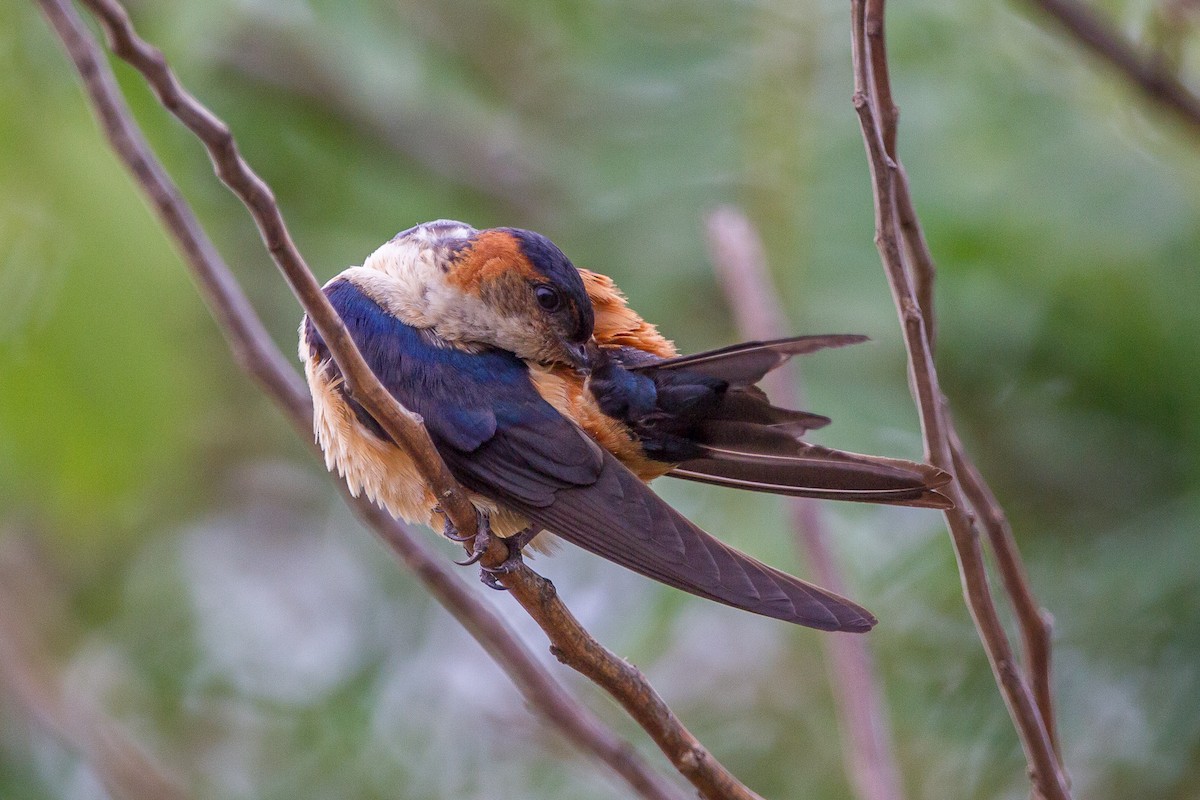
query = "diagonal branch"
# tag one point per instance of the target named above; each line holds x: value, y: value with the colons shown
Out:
x: 737, y: 254
x: 892, y: 206
x: 1034, y: 623
x: 402, y: 426
x: 568, y: 639
x: 1151, y: 74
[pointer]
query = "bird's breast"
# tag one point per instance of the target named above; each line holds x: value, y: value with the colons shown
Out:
x: 370, y: 463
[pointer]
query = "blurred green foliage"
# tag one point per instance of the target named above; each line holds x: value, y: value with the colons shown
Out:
x: 211, y: 595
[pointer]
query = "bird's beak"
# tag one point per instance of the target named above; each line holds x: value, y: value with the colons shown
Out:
x: 580, y: 358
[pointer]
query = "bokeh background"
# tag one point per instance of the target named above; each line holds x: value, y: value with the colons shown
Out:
x: 173, y: 557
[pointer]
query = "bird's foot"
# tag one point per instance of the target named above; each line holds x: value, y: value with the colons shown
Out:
x: 490, y: 576
x: 482, y: 539
x: 450, y: 531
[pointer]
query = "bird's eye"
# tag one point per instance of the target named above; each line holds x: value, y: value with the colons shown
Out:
x: 548, y: 298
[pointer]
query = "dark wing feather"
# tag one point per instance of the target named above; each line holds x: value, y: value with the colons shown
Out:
x: 728, y: 433
x: 519, y: 451
x: 616, y: 516
x: 745, y: 364
x: 762, y: 459
x: 750, y: 404
x: 620, y: 519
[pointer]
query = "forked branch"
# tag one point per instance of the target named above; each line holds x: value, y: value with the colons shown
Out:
x: 900, y: 243
x: 1149, y: 72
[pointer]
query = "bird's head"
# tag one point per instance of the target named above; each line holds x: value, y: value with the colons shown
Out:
x: 503, y: 287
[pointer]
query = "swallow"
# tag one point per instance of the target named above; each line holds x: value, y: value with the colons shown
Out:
x: 553, y: 403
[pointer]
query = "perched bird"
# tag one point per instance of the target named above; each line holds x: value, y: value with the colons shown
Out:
x: 551, y: 401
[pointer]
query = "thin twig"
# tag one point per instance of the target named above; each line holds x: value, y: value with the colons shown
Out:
x: 538, y: 687
x: 1151, y: 74
x: 573, y: 646
x: 1035, y: 623
x: 920, y: 258
x: 867, y: 753
x: 401, y: 425
x: 534, y: 593
x: 918, y: 255
x: 870, y: 82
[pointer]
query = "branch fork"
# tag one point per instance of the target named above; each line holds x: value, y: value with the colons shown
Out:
x: 910, y: 272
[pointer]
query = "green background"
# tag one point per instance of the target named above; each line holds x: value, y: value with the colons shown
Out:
x: 188, y: 568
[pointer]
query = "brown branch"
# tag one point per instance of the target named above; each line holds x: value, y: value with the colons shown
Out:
x: 402, y: 426
x: 539, y: 688
x: 741, y: 264
x: 1151, y: 74
x: 917, y: 252
x: 870, y: 83
x: 916, y: 249
x: 576, y: 648
x: 573, y: 644
x: 1034, y: 623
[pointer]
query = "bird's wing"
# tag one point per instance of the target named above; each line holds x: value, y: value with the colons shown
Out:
x: 619, y: 518
x: 745, y: 364
x: 501, y: 439
x: 703, y: 414
x: 753, y: 457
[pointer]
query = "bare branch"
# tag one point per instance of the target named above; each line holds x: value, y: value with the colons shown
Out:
x: 1034, y: 622
x: 871, y: 83
x: 248, y: 187
x: 539, y: 688
x: 1036, y: 625
x: 1151, y: 74
x: 576, y: 648
x: 573, y: 644
x: 916, y: 249
x: 867, y: 753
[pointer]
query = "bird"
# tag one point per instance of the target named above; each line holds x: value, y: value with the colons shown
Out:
x: 555, y: 404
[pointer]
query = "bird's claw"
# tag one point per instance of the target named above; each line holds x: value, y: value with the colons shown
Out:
x: 487, y: 576
x: 482, y: 541
x: 490, y: 575
x: 450, y: 531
